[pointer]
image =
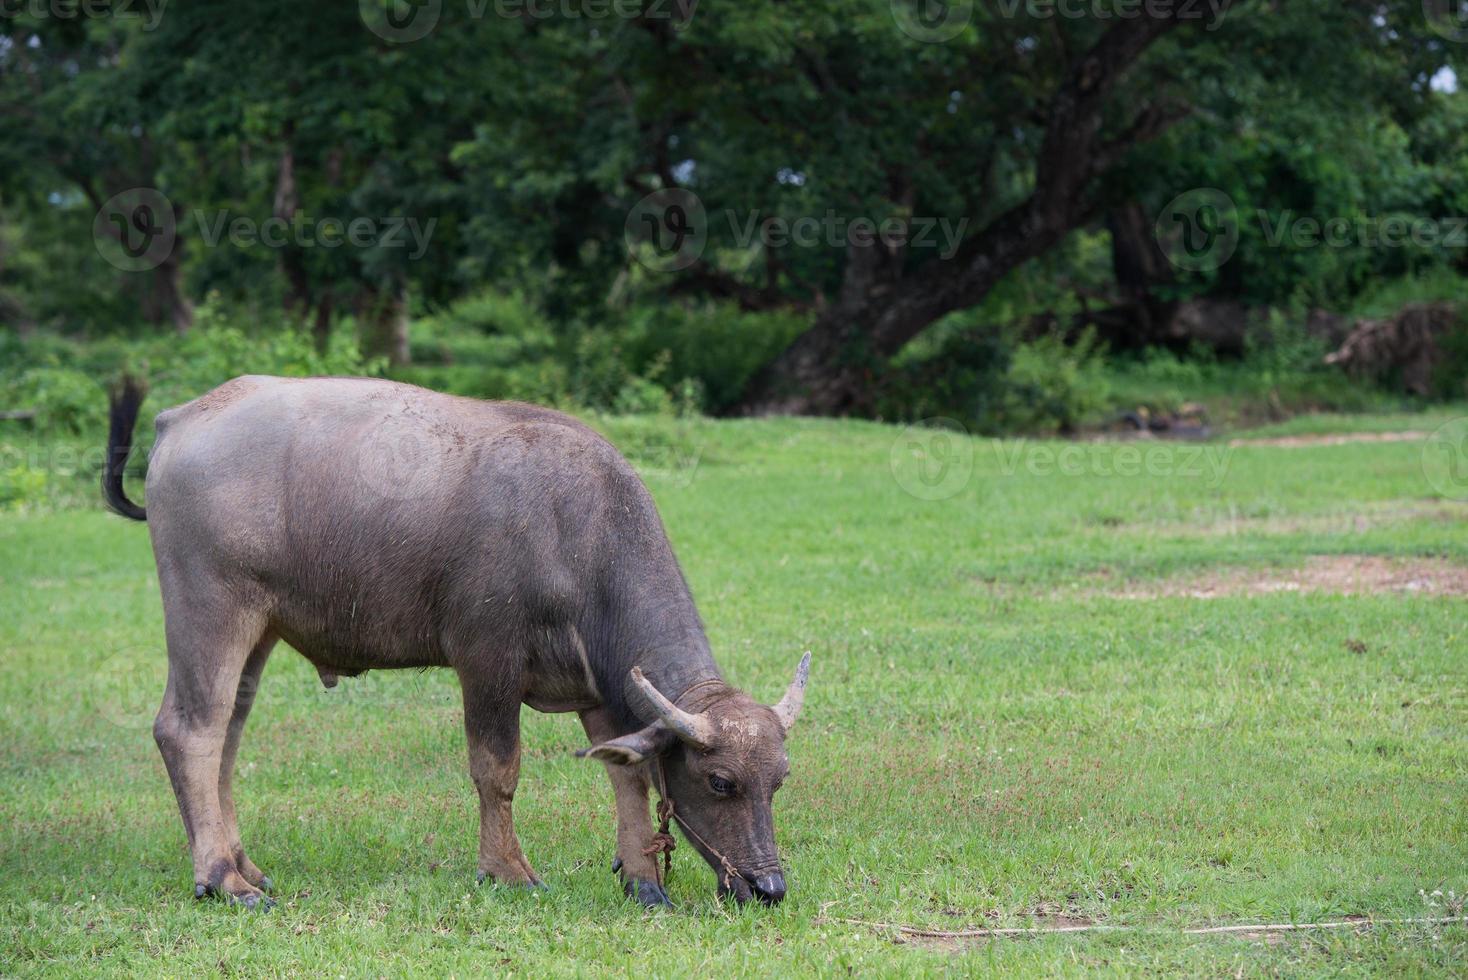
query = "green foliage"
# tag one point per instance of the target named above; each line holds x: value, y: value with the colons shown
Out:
x: 1281, y: 348
x: 1053, y: 386
x: 601, y: 371
x: 219, y: 349
x: 66, y: 400
x: 22, y: 486
x: 490, y: 345
x: 1386, y: 297
x: 1281, y: 375
x: 1450, y: 378
x: 652, y: 358
x: 994, y: 383
x: 1306, y: 110
x: 714, y: 344
x: 503, y: 346
x: 65, y: 380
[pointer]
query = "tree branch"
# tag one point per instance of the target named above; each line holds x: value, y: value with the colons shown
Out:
x: 1071, y: 156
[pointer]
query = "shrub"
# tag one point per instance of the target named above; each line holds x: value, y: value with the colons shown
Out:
x: 1450, y: 379
x: 716, y: 346
x: 993, y: 383
x: 1281, y: 349
x: 65, y: 380
x: 1052, y: 386
x: 22, y: 486
x: 66, y: 401
x: 664, y: 360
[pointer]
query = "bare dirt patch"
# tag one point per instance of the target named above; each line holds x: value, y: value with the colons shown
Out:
x: 956, y: 941
x: 1270, y: 934
x: 1363, y: 518
x: 1331, y: 439
x: 1327, y: 574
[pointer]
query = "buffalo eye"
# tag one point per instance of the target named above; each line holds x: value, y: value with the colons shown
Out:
x: 721, y: 785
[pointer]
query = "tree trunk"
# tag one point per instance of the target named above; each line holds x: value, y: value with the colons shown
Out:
x: 162, y: 298
x: 165, y: 300
x: 1139, y: 266
x: 384, y: 314
x: 1406, y: 348
x: 292, y: 257
x: 828, y: 369
x: 321, y: 326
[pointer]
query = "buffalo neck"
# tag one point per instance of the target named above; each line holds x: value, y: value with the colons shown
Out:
x: 658, y: 630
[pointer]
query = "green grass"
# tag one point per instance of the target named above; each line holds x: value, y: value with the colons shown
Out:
x: 1315, y: 423
x: 1244, y: 394
x: 982, y: 743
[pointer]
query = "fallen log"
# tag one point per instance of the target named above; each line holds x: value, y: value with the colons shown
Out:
x: 1407, y: 346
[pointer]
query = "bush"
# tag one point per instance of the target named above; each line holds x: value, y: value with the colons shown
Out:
x: 22, y: 486
x: 65, y: 381
x: 1281, y: 350
x: 488, y: 346
x: 65, y: 400
x: 662, y: 360
x: 1052, y: 386
x: 716, y: 346
x: 1450, y: 379
x: 993, y: 383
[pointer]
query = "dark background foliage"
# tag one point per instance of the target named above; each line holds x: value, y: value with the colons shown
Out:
x: 519, y: 139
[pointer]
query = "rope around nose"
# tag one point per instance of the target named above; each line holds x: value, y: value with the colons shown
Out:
x: 663, y: 843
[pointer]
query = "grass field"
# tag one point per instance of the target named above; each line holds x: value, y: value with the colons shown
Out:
x: 992, y: 735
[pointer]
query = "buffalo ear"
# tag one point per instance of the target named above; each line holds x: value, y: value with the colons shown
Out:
x: 629, y: 750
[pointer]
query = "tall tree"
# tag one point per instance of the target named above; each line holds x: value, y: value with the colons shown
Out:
x: 75, y: 119
x: 1017, y: 127
x: 298, y: 120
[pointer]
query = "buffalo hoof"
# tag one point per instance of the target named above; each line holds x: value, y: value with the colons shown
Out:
x: 533, y: 885
x: 251, y: 873
x: 648, y: 894
x: 253, y: 900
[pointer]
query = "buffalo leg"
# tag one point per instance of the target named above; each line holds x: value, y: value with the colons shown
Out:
x: 209, y: 646
x: 249, y: 688
x: 492, y: 723
x: 639, y: 871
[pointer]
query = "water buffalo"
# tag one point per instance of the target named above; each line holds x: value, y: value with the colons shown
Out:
x: 369, y: 525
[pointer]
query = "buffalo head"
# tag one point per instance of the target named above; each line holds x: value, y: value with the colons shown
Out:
x: 723, y: 758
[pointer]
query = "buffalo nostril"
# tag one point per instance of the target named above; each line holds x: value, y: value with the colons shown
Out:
x: 770, y: 888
